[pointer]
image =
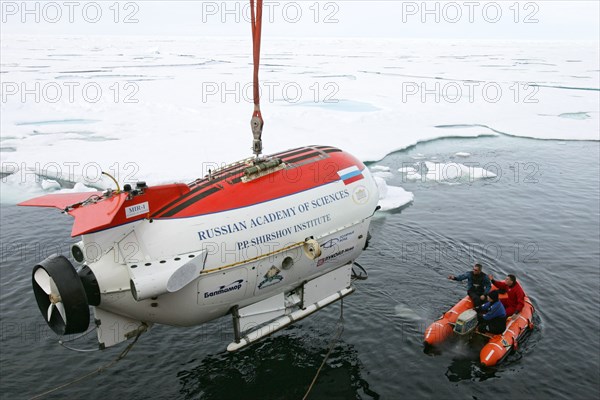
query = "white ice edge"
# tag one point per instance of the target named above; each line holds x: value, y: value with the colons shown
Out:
x: 392, y: 197
x: 175, y: 131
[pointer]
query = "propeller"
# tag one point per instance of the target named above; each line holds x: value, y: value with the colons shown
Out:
x: 60, y: 295
x: 49, y: 287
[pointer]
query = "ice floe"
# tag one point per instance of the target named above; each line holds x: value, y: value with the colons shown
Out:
x: 135, y: 107
x: 392, y: 197
x: 455, y: 172
x: 380, y: 168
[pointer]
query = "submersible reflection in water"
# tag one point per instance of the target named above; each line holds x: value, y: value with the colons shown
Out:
x: 280, y: 367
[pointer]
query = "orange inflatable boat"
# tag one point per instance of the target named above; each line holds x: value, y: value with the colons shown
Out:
x: 462, y: 320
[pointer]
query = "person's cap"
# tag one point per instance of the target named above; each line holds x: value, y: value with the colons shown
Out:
x: 493, y: 295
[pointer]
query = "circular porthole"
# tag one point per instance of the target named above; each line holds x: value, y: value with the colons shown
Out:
x: 287, y: 263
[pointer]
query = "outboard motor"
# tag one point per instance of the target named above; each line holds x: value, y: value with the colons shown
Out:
x: 466, y: 322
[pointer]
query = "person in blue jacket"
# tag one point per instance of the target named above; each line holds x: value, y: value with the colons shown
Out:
x: 478, y: 284
x: 491, y: 315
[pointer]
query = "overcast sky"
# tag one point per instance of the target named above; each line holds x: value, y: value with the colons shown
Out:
x: 547, y: 19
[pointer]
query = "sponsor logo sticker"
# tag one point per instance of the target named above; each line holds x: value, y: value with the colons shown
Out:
x: 330, y: 243
x: 334, y: 255
x: 334, y: 241
x: 271, y: 277
x: 235, y: 285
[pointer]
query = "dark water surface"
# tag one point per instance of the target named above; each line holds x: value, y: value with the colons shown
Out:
x: 540, y: 219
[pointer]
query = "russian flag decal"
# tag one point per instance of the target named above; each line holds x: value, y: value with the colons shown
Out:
x: 350, y: 174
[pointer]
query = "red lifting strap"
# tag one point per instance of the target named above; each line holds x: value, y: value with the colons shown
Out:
x: 256, y: 20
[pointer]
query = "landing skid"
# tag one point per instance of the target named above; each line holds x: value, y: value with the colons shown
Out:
x: 259, y: 320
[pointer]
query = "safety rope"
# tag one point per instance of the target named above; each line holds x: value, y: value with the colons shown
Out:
x: 96, y: 371
x: 334, y: 340
x: 256, y: 123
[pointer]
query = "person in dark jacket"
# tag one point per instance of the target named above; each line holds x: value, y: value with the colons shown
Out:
x: 478, y: 284
x: 492, y: 315
x: 515, y: 301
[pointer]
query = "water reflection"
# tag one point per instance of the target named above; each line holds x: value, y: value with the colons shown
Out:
x: 280, y: 367
x: 464, y: 354
x: 461, y: 369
